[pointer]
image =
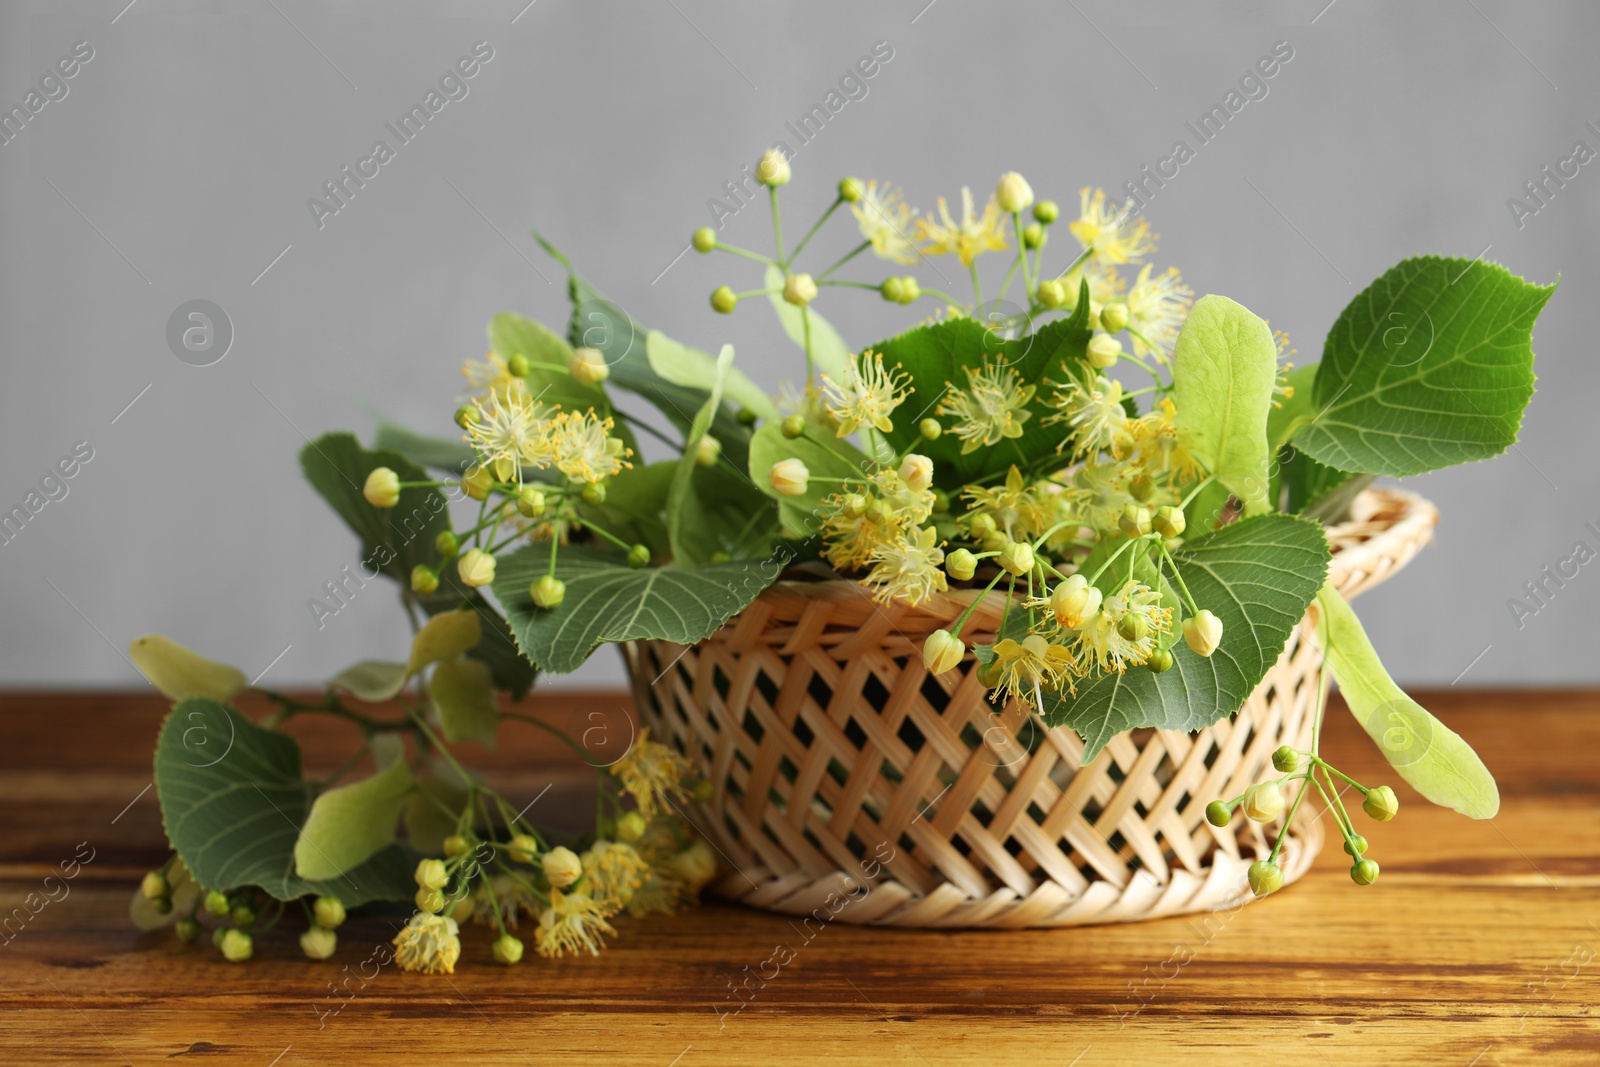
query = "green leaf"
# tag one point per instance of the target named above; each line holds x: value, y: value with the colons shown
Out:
x: 606, y: 600
x: 463, y: 694
x: 233, y: 802
x: 829, y: 353
x: 447, y: 454
x: 635, y: 506
x: 372, y: 680
x: 1430, y: 366
x: 431, y: 812
x: 512, y: 334
x: 1258, y: 576
x: 395, y: 539
x: 445, y: 636
x: 823, y: 456
x: 351, y: 823
x: 1223, y: 370
x: 1426, y: 753
x: 682, y: 365
x: 693, y: 549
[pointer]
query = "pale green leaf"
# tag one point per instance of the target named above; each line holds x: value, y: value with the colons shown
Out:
x: 463, y: 695
x: 372, y: 680
x: 682, y: 365
x: 680, y: 498
x: 825, y: 456
x: 1426, y: 753
x: 1223, y: 369
x: 445, y: 636
x: 433, y: 809
x: 179, y: 672
x: 350, y: 823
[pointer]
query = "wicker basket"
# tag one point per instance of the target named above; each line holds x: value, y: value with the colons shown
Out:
x: 851, y: 784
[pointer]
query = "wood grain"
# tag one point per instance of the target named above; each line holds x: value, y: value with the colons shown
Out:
x: 1480, y: 944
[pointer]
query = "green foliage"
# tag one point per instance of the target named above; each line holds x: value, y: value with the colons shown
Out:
x: 823, y: 454
x: 463, y: 694
x: 351, y: 823
x: 1430, y: 366
x: 512, y: 334
x: 394, y: 539
x: 690, y: 367
x: 1223, y: 371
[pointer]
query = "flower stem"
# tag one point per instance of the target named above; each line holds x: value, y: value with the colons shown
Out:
x: 847, y: 257
x: 777, y: 227
x: 815, y: 227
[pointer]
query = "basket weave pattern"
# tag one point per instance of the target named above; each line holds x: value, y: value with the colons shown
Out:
x: 843, y: 771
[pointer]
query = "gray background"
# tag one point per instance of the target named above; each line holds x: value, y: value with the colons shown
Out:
x: 179, y: 165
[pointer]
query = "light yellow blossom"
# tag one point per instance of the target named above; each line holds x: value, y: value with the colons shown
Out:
x: 907, y: 568
x: 428, y: 943
x: 865, y: 395
x: 573, y: 923
x: 652, y: 773
x: 991, y: 409
x: 1157, y: 308
x: 1112, y: 232
x: 885, y: 219
x: 970, y: 237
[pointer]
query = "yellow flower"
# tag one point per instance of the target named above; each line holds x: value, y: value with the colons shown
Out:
x: 885, y: 219
x: 583, y: 449
x: 1105, y: 284
x: 1096, y: 415
x: 1280, y: 385
x: 492, y: 375
x: 1104, y: 638
x: 663, y: 890
x: 1154, y: 437
x: 615, y: 871
x: 907, y: 568
x: 1157, y: 308
x: 652, y: 772
x: 428, y: 943
x: 1112, y: 233
x: 509, y: 433
x: 573, y: 923
x: 866, y: 395
x: 967, y: 239
x: 1026, y: 668
x: 1102, y: 492
x: 991, y: 408
x: 1018, y: 509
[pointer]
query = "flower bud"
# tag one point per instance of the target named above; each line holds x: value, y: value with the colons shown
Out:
x: 216, y: 903
x: 1142, y: 488
x: 1046, y: 211
x: 477, y: 482
x: 1160, y: 661
x: 1381, y: 803
x: 893, y: 290
x: 941, y: 502
x: 519, y: 365
x: 1114, y: 316
x: 746, y: 417
x: 1134, y: 520
x: 910, y: 291
x: 853, y: 505
x: 631, y: 827
x: 1104, y: 350
x: 447, y: 544
x: 942, y: 651
x: 162, y: 906
x: 476, y: 567
x: 1263, y: 802
x: 704, y: 239
x: 639, y: 557
x: 930, y: 429
x: 961, y: 565
x: 154, y: 886
x: 793, y: 426
x: 1265, y: 877
x: 1356, y: 847
x: 1202, y: 632
x: 188, y: 931
x: 522, y: 848
x: 1052, y: 294
x: 789, y: 477
x: 431, y: 874
x: 988, y: 674
x: 1014, y: 193
x: 799, y: 289
x: 548, y: 592
x: 1017, y: 558
x: 917, y: 472
x: 880, y: 512
x: 561, y: 866
x: 424, y: 579
x: 429, y: 900
x: 724, y: 300
x: 1364, y: 872
x: 237, y: 946
x: 318, y: 943
x: 706, y: 451
x: 243, y: 915
x: 981, y: 525
x: 772, y: 169
x: 530, y: 502
x: 1074, y: 600
x: 463, y: 909
x: 466, y: 415
x: 1133, y: 627
x: 588, y: 366
x: 851, y: 190
x: 383, y: 488
x: 695, y: 865
x: 507, y: 950
x: 593, y: 493
x: 1218, y: 813
x: 1286, y: 759
x: 1169, y: 521
x: 328, y: 912
x: 1033, y: 236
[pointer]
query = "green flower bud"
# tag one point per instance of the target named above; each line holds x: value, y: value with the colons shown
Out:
x: 432, y: 874
x: 518, y: 365
x: 218, y: 934
x: 163, y: 906
x: 1265, y: 877
x: 328, y: 912
x: 466, y: 415
x: 721, y: 557
x: 1134, y: 520
x: 522, y: 848
x: 1052, y: 293
x: 930, y: 429
x: 507, y: 950
x: 1046, y: 211
x: 772, y: 169
x: 853, y: 506
x: 530, y: 502
x: 1356, y: 847
x: 961, y: 565
x: 1202, y: 632
x: 446, y: 544
x: 1017, y: 558
x: 747, y: 417
x: 477, y: 482
x: 995, y: 542
x: 799, y: 289
x: 154, y: 886
x: 724, y: 300
x: 561, y: 866
x: 1133, y: 627
x: 1104, y: 351
x: 942, y: 651
x: 548, y: 591
x: 893, y: 290
x: 188, y: 930
x: 318, y: 943
x: 851, y: 190
x: 639, y: 557
x: 1033, y: 236
x: 456, y: 845
x: 424, y: 579
x: 703, y: 790
x: 704, y: 239
x: 1286, y: 759
x: 588, y: 366
x: 793, y: 426
x: 1169, y: 521
x: 1263, y: 802
x: 594, y: 493
x: 981, y: 525
x: 429, y: 900
x: 1142, y: 488
x: 631, y: 827
x: 243, y: 915
x: 706, y: 451
x: 910, y: 291
x: 1218, y: 813
x: 1160, y: 660
x: 237, y: 946
x: 216, y: 903
x: 1114, y: 317
x: 382, y: 488
x: 475, y: 567
x: 1364, y: 872
x: 988, y: 674
x: 1013, y: 193
x: 1381, y: 803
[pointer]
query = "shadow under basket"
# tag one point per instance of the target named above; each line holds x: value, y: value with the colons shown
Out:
x: 852, y: 784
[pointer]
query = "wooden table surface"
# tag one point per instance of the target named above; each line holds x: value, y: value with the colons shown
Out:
x: 1480, y: 944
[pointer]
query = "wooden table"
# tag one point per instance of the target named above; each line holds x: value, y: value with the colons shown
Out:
x: 1480, y: 945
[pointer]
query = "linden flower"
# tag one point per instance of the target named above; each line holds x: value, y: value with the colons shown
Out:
x: 867, y: 395
x: 908, y: 568
x: 1157, y: 308
x: 1280, y: 385
x: 583, y: 449
x: 911, y: 506
x: 509, y: 433
x: 991, y: 408
x: 1155, y: 441
x: 615, y: 872
x: 652, y: 772
x: 1105, y: 284
x: 1113, y: 234
x: 492, y: 375
x: 1103, y: 639
x: 1096, y: 415
x: 1017, y: 508
x: 1102, y: 493
x: 428, y: 943
x: 512, y: 896
x: 968, y: 239
x: 885, y: 219
x: 1026, y: 668
x: 573, y: 923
